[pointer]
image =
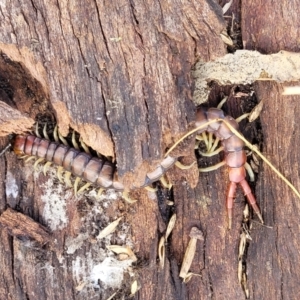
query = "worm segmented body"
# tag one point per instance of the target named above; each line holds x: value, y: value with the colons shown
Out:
x: 101, y: 172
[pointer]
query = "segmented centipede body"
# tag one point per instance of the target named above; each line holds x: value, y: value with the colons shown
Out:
x: 101, y: 172
x: 95, y: 170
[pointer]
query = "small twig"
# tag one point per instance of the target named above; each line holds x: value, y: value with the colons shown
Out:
x: 5, y: 149
x: 249, y: 145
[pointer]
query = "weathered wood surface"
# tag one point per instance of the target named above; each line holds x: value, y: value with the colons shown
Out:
x: 119, y: 73
x: 269, y: 27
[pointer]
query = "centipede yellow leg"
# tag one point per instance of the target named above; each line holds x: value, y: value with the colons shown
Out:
x: 37, y: 162
x: 150, y: 189
x: 45, y: 134
x: 181, y: 166
x: 126, y: 197
x: 37, y: 130
x: 67, y: 179
x: 77, y: 180
x: 46, y: 167
x: 209, y: 154
x: 100, y: 191
x: 165, y: 183
x: 212, y: 168
x: 84, y: 187
x: 30, y: 158
x: 84, y: 146
x: 60, y: 169
x: 74, y: 142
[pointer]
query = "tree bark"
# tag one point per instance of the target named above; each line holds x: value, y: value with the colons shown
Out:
x: 119, y: 75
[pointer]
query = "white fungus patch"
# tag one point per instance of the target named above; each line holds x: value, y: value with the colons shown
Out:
x: 72, y: 244
x: 110, y: 272
x: 245, y: 67
x: 54, y: 198
x: 12, y: 189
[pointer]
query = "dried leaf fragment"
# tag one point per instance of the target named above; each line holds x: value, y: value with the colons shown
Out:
x: 291, y: 90
x: 226, y: 38
x: 189, y: 276
x: 109, y: 229
x: 125, y: 250
x: 226, y: 7
x: 161, y: 252
x: 171, y: 225
x: 254, y: 114
x: 195, y: 235
x: 80, y: 286
x: 134, y: 288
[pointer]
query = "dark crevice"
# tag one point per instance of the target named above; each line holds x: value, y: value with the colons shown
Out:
x: 102, y: 30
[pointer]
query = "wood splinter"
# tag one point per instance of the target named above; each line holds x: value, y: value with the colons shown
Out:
x: 23, y: 227
x: 195, y: 235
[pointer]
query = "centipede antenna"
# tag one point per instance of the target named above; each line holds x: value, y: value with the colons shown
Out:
x: 84, y: 146
x: 30, y: 158
x: 37, y: 162
x: 126, y: 197
x: 74, y: 142
x: 46, y: 167
x: 55, y: 136
x: 59, y: 172
x: 150, y: 189
x: 199, y: 137
x: 23, y: 156
x: 209, y: 154
x: 217, y: 140
x: 213, y: 168
x: 87, y: 185
x: 67, y: 178
x: 45, y: 134
x: 222, y: 102
x: 100, y: 191
x: 165, y: 183
x: 37, y: 130
x: 250, y: 172
x: 190, y: 133
x: 63, y: 140
x: 76, y: 183
x: 242, y: 117
x: 181, y: 166
x: 5, y: 149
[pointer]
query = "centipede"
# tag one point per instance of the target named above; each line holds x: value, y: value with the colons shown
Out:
x: 101, y: 173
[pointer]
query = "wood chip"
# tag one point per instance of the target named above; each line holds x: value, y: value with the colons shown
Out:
x: 161, y: 252
x: 23, y: 227
x: 109, y: 229
x: 170, y: 227
x: 291, y: 90
x: 134, y: 288
x: 226, y: 7
x: 226, y: 38
x: 254, y: 114
x: 195, y: 235
x: 125, y: 250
